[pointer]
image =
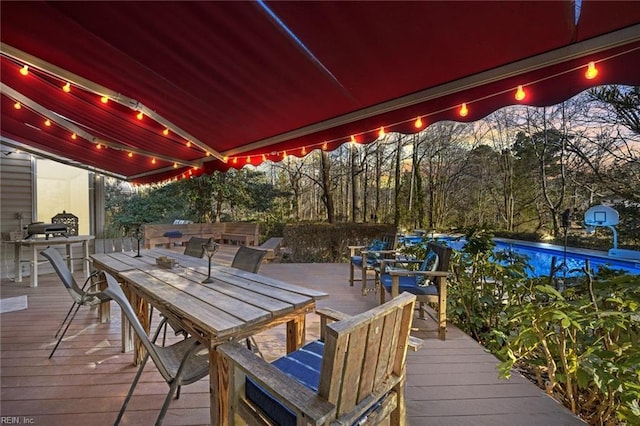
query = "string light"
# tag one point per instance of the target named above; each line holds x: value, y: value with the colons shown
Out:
x: 381, y: 132
x: 353, y: 140
x: 47, y: 122
x: 208, y: 154
x: 73, y: 136
x: 248, y: 159
x: 66, y: 88
x: 17, y: 105
x: 463, y: 110
x: 104, y: 99
x: 284, y: 154
x: 520, y: 94
x: 175, y: 165
x: 188, y: 144
x: 130, y: 154
x: 98, y: 146
x: 303, y: 151
x: 324, y: 146
x: 235, y: 160
x: 264, y: 157
x: 592, y: 71
x: 153, y: 160
x: 24, y: 70
x: 225, y: 158
x: 140, y: 115
x: 418, y: 123
x: 165, y: 132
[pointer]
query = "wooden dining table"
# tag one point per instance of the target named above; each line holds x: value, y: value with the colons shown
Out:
x: 236, y: 305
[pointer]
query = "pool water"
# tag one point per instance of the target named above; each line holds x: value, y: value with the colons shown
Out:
x: 539, y: 256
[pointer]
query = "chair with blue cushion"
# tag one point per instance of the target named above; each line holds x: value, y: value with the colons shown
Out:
x: 428, y: 283
x: 367, y: 258
x: 356, y: 375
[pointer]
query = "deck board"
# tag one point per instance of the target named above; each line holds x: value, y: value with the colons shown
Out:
x: 452, y: 382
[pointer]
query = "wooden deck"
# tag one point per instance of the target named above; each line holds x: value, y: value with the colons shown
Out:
x: 452, y: 382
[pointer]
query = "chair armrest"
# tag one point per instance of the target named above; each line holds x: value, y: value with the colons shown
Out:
x: 353, y: 249
x: 298, y: 398
x: 378, y: 251
x: 329, y: 315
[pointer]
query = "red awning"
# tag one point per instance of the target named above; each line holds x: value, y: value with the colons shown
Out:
x: 249, y: 81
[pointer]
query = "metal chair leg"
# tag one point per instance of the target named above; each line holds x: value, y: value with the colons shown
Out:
x: 65, y: 331
x: 133, y: 386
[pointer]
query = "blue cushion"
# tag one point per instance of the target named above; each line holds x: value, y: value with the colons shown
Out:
x: 304, y: 366
x: 173, y: 234
x: 357, y: 260
x: 409, y: 284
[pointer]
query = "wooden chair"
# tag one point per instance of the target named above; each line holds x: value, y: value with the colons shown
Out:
x: 355, y: 376
x: 367, y: 258
x: 195, y: 247
x: 429, y: 285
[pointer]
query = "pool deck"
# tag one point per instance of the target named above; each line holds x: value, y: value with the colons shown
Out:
x: 452, y: 382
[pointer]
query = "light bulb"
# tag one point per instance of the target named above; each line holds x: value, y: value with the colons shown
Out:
x: 248, y: 159
x: 264, y: 157
x: 381, y: 132
x: 104, y: 99
x: 140, y: 115
x: 353, y: 140
x: 463, y: 110
x: 66, y: 88
x: 17, y: 105
x: 153, y: 161
x: 592, y: 71
x: 208, y: 153
x: 303, y: 151
x: 284, y: 154
x: 175, y: 165
x: 324, y: 146
x: 24, y: 70
x: 188, y: 144
x: 98, y: 146
x: 130, y: 154
x: 418, y: 123
x: 165, y: 132
x: 235, y: 160
x: 47, y: 122
x: 225, y: 158
x: 520, y: 94
x: 73, y: 136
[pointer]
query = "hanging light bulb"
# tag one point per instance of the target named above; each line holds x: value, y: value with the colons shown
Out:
x: 165, y: 132
x: 225, y: 158
x: 140, y: 115
x: 175, y: 165
x: 303, y: 151
x: 104, y: 99
x: 130, y: 154
x: 418, y: 122
x: 74, y: 136
x: 284, y: 154
x: 188, y: 144
x: 381, y: 133
x: 264, y: 157
x: 592, y: 71
x: 324, y: 146
x: 47, y: 122
x: 17, y: 105
x: 98, y: 146
x: 353, y: 140
x: 463, y: 110
x: 235, y: 160
x: 24, y: 70
x: 520, y: 94
x: 208, y: 154
x: 153, y: 161
x: 248, y: 159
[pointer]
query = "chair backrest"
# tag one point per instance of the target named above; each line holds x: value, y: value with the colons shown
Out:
x: 444, y: 255
x: 391, y: 240
x: 114, y: 291
x: 64, y: 273
x: 364, y: 356
x: 248, y: 259
x: 194, y: 247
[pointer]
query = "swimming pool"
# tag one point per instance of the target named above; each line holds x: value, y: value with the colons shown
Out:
x: 539, y: 257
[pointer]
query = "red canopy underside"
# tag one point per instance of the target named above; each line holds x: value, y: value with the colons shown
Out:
x: 236, y: 80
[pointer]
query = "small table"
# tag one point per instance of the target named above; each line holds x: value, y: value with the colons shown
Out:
x: 36, y: 244
x: 237, y: 305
